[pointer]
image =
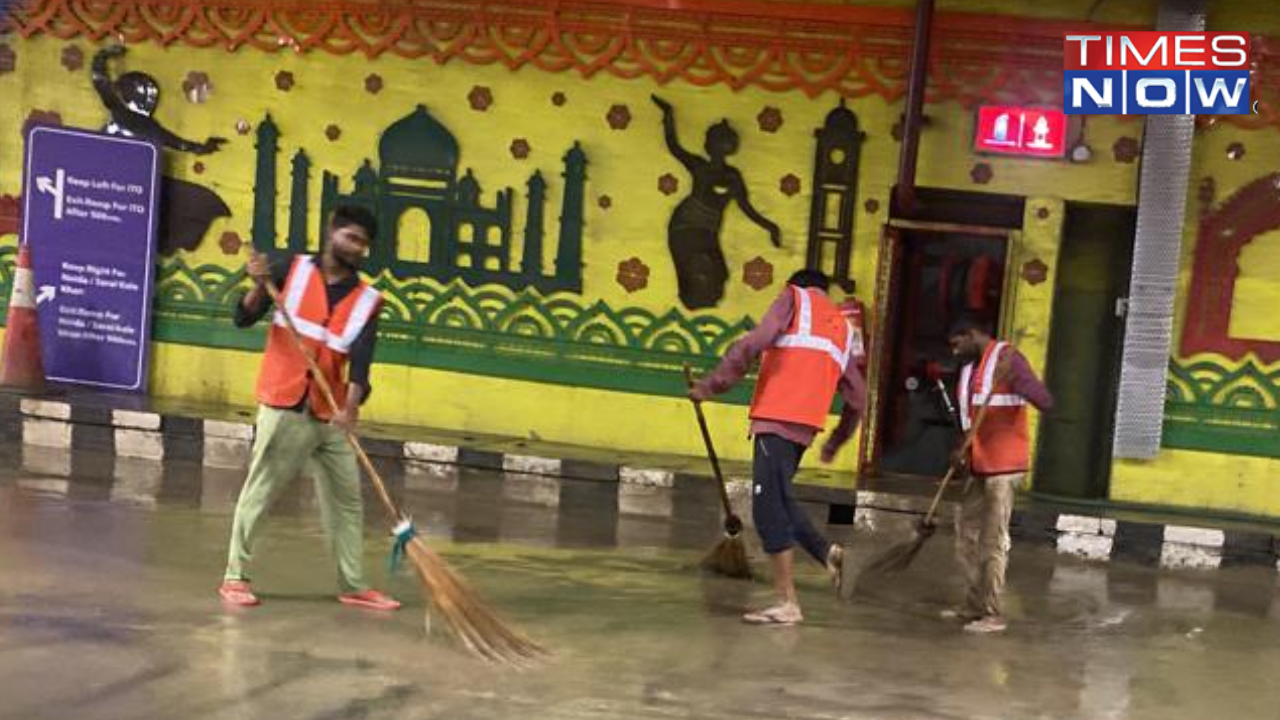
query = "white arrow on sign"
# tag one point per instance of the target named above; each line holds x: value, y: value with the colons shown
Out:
x: 53, y: 187
x: 47, y: 293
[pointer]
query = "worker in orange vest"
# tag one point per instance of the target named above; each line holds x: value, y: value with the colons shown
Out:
x: 807, y: 347
x: 996, y: 375
x: 336, y: 314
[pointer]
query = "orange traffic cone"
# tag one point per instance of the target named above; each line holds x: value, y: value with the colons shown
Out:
x: 21, y: 366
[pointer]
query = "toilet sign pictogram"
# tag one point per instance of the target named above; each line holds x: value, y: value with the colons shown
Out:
x: 1010, y: 130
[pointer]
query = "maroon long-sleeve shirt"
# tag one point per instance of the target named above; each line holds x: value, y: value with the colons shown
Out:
x: 742, y: 356
x: 1023, y: 381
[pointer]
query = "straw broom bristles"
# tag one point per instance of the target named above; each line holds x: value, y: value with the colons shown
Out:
x: 899, y: 557
x: 729, y: 558
x: 466, y: 615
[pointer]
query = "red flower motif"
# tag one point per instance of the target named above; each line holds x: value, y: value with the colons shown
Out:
x: 197, y: 87
x: 757, y: 274
x: 1035, y: 271
x: 520, y: 148
x: 1125, y: 150
x: 1043, y: 213
x: 284, y: 81
x: 789, y: 185
x: 198, y: 167
x: 373, y: 84
x: 668, y: 184
x: 8, y: 59
x: 41, y: 117
x: 230, y: 243
x: 480, y: 98
x: 769, y: 119
x: 871, y: 206
x: 333, y: 132
x: 619, y: 117
x: 559, y: 99
x: 72, y: 58
x: 605, y: 202
x: 981, y: 173
x: 633, y: 275
x: 1208, y: 191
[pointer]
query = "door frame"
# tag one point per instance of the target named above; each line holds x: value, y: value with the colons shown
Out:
x: 886, y: 314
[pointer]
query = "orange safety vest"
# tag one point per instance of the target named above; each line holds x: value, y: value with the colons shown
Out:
x: 1002, y: 443
x: 327, y: 337
x: 798, y: 375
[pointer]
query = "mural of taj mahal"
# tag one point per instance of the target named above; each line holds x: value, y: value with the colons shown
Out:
x: 432, y: 221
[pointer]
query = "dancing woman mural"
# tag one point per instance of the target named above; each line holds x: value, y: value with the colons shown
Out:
x: 693, y: 234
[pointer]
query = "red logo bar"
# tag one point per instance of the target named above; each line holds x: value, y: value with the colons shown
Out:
x: 1149, y: 50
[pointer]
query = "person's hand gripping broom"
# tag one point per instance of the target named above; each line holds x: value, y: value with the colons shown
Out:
x: 466, y: 615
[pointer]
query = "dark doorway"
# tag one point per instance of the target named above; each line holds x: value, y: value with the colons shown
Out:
x: 1074, y: 458
x: 937, y: 275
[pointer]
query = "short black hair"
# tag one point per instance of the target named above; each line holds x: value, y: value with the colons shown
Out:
x: 810, y: 278
x: 965, y: 323
x: 348, y: 215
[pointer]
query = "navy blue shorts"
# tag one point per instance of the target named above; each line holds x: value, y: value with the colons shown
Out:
x: 780, y: 521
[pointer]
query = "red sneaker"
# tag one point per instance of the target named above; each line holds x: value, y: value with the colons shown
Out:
x: 238, y: 592
x: 371, y: 599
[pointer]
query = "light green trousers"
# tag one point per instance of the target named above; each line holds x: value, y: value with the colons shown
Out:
x: 285, y: 442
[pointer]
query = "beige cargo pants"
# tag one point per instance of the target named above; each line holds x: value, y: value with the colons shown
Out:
x: 982, y: 540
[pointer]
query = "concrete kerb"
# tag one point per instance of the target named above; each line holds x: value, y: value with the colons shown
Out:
x: 652, y: 492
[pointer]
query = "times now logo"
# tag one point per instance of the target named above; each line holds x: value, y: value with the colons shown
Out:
x: 1156, y: 73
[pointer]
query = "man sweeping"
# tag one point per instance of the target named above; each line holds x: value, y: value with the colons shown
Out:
x: 998, y: 376
x: 806, y: 345
x: 336, y: 314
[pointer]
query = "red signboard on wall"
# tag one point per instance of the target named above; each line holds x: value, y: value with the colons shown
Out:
x: 1030, y: 132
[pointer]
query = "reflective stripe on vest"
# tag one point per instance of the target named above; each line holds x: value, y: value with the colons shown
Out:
x: 300, y: 281
x: 803, y: 337
x: 360, y: 314
x: 984, y: 396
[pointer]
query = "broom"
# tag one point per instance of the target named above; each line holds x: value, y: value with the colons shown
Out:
x: 466, y: 615
x: 729, y: 556
x: 899, y: 557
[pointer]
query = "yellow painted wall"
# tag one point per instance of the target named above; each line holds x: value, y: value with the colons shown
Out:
x: 625, y: 166
x: 1200, y: 480
x: 1188, y: 479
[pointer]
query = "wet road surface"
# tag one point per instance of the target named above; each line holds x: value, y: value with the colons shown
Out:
x: 108, y: 610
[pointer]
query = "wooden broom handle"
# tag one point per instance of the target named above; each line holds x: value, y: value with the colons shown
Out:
x: 964, y: 448
x: 378, y: 485
x: 706, y: 439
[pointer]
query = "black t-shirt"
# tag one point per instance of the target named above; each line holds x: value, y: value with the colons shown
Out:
x: 360, y: 357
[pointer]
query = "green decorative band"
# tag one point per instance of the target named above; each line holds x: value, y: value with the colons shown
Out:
x: 496, y: 332
x: 1214, y: 408
x: 491, y: 331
